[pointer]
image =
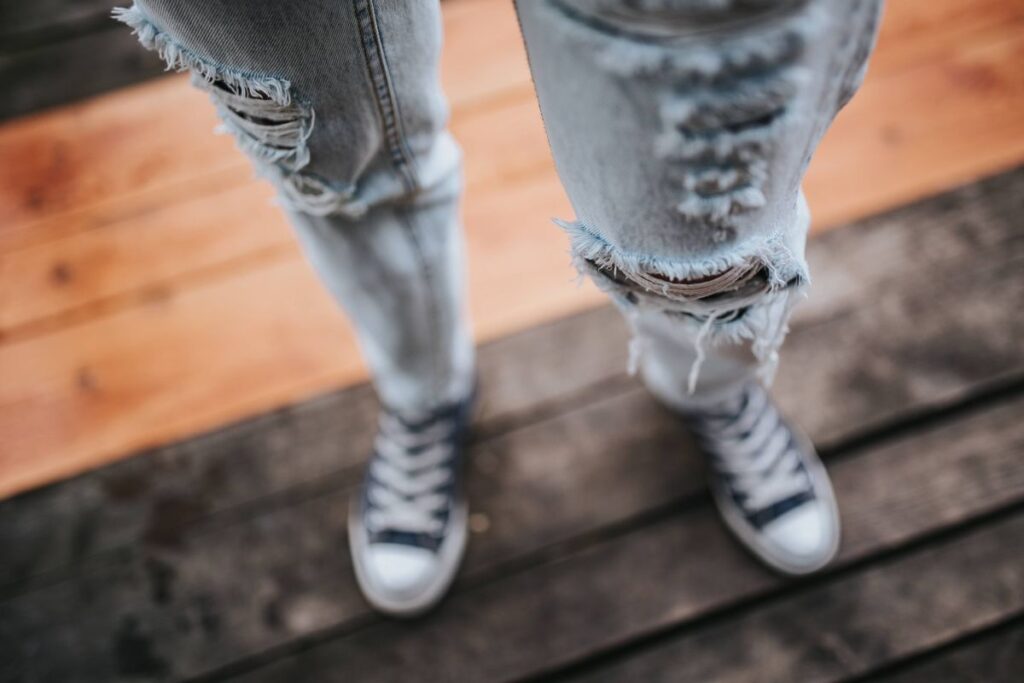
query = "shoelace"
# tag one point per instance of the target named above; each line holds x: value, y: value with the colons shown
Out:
x: 410, y: 468
x: 753, y: 448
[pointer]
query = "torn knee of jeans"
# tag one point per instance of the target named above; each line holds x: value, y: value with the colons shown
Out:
x: 268, y: 131
x: 743, y: 295
x: 742, y: 302
x: 739, y: 283
x: 744, y: 292
x: 275, y: 136
x: 268, y: 122
x: 725, y: 282
x: 260, y: 110
x: 725, y: 296
x: 757, y: 266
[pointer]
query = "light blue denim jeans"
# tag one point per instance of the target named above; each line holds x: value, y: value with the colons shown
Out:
x: 681, y: 130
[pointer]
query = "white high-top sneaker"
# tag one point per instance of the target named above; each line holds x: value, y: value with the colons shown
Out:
x: 407, y: 531
x: 768, y: 482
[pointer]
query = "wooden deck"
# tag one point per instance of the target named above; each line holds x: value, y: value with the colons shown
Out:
x: 149, y: 291
x: 596, y: 554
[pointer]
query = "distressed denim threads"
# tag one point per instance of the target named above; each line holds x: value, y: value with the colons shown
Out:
x: 680, y: 128
x: 340, y: 106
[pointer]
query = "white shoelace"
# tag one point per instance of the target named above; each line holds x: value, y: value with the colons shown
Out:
x: 410, y: 468
x: 752, y: 446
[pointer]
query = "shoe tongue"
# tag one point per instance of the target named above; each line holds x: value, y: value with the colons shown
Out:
x: 734, y: 405
x: 393, y: 421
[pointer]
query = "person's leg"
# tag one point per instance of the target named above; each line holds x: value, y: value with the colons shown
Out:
x: 339, y: 104
x: 681, y: 130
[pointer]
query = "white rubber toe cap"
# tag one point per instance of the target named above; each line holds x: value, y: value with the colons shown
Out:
x: 805, y: 535
x: 399, y: 569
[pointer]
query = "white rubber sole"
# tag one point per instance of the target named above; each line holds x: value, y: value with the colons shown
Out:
x: 768, y: 553
x: 427, y: 596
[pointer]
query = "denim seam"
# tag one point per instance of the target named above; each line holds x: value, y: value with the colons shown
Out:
x: 430, y: 282
x: 384, y: 94
x: 402, y: 138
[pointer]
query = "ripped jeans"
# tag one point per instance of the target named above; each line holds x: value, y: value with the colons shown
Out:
x: 681, y: 130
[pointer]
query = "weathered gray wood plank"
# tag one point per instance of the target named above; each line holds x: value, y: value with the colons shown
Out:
x: 42, y: 20
x: 923, y: 297
x: 880, y: 284
x: 214, y: 561
x: 56, y: 51
x: 74, y: 67
x: 995, y: 657
x: 848, y: 626
x: 320, y: 593
x: 677, y: 569
x: 215, y: 599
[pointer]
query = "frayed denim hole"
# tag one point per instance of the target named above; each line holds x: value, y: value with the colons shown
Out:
x: 741, y: 283
x: 746, y: 309
x: 267, y: 130
x: 316, y: 196
x: 276, y: 135
x: 269, y: 123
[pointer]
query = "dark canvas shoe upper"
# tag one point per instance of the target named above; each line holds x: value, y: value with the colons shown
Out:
x: 412, y: 481
x: 768, y: 482
x: 407, y: 529
x: 757, y: 456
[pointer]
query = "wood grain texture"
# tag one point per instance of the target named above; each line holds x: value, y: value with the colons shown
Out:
x: 676, y: 570
x: 892, y: 143
x: 88, y: 192
x: 70, y: 64
x: 48, y: 16
x: 592, y: 528
x: 996, y: 656
x: 848, y: 626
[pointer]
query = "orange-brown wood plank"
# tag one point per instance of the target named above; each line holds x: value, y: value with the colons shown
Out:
x: 196, y: 357
x: 82, y: 275
x: 148, y: 291
x: 953, y: 114
x: 122, y: 251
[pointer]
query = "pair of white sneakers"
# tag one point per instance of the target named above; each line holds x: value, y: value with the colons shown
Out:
x: 407, y: 529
